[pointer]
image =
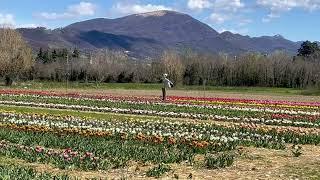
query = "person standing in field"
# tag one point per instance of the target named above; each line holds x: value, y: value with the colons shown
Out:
x: 166, y: 84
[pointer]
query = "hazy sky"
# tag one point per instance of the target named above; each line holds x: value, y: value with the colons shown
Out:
x: 294, y: 19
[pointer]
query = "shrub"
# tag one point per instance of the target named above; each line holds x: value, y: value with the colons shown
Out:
x: 296, y: 150
x: 158, y: 170
x: 214, y: 161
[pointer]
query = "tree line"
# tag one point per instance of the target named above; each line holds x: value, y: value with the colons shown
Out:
x: 186, y: 68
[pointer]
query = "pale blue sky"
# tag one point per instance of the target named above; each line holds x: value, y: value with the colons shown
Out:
x: 294, y: 19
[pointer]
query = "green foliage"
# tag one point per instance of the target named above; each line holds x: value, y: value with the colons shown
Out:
x: 308, y: 48
x: 191, y: 75
x: 76, y: 53
x: 158, y: 170
x: 40, y: 53
x: 53, y: 55
x: 113, y: 152
x: 221, y: 160
x: 8, y: 172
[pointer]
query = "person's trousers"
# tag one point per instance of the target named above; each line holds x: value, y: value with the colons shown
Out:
x: 163, y: 94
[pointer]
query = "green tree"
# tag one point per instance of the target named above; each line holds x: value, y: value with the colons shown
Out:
x: 54, y: 54
x: 64, y: 53
x: 45, y: 57
x: 40, y: 54
x: 76, y: 53
x: 308, y: 48
x: 192, y: 74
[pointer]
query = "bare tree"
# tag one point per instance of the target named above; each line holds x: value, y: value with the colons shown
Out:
x: 15, y: 55
x: 173, y: 66
x: 108, y: 63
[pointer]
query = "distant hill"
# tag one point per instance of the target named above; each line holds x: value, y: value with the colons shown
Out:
x: 265, y: 44
x: 149, y: 34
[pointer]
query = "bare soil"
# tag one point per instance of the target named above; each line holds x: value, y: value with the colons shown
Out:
x: 253, y: 163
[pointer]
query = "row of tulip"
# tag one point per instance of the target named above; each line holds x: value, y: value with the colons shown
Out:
x: 175, y: 99
x: 115, y: 142
x: 89, y: 151
x: 234, y: 106
x: 157, y: 131
x: 246, y: 101
x: 26, y: 173
x: 235, y: 112
x: 61, y: 158
x: 115, y: 117
x: 91, y: 144
x: 164, y: 128
x: 262, y: 120
x: 73, y: 95
x: 145, y: 105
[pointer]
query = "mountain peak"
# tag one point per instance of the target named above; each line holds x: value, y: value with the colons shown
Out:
x: 279, y: 36
x: 158, y: 13
x: 226, y: 33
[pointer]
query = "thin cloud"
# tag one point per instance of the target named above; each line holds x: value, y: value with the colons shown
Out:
x: 7, y: 20
x: 220, y: 10
x: 199, y: 4
x: 218, y: 18
x: 73, y: 11
x: 31, y: 25
x: 243, y: 22
x: 217, y: 5
x: 276, y: 7
x: 124, y: 9
x: 281, y: 5
x: 229, y: 5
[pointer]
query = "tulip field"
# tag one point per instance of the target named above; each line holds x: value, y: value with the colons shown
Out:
x: 56, y: 135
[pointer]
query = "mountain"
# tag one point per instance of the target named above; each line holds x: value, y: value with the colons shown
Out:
x: 41, y: 37
x: 265, y: 44
x: 149, y: 34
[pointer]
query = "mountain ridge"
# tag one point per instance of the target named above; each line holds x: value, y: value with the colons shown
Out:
x: 149, y: 34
